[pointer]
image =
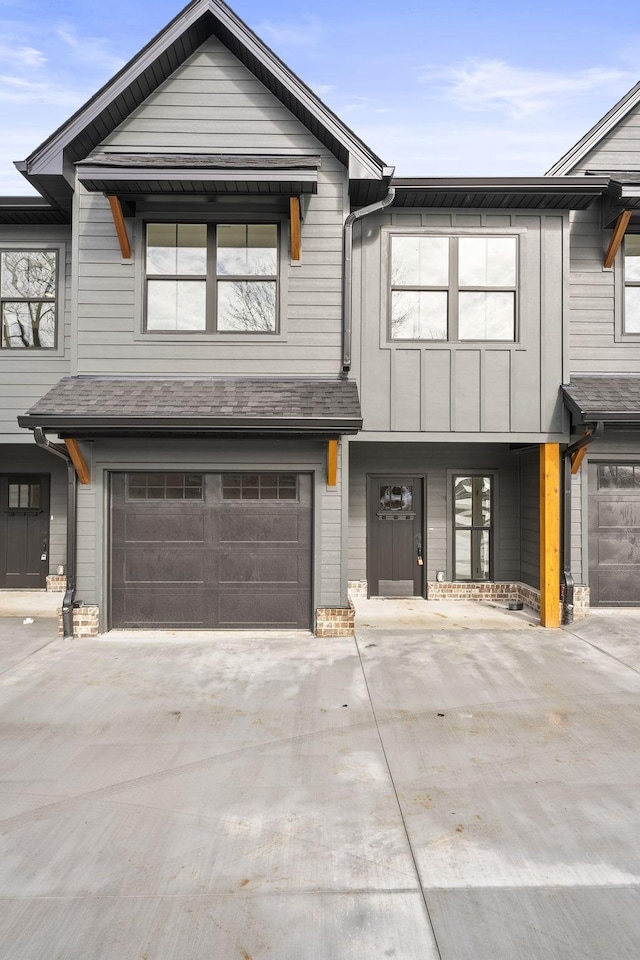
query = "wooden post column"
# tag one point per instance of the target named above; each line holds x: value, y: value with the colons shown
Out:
x: 550, y: 534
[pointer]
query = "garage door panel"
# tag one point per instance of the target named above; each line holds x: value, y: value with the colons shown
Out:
x: 617, y: 587
x: 264, y: 567
x: 621, y: 513
x: 251, y: 527
x: 154, y: 566
x: 623, y: 549
x: 166, y: 608
x: 174, y: 528
x: 282, y: 609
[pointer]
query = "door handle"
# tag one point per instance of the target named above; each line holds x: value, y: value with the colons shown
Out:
x: 420, y: 558
x: 45, y: 549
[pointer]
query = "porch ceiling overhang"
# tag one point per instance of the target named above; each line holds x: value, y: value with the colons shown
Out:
x: 610, y: 400
x: 533, y: 193
x: 152, y: 174
x: 31, y: 210
x: 92, y: 407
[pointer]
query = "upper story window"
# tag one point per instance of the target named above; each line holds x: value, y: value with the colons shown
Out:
x: 453, y: 288
x: 212, y: 278
x: 28, y: 284
x: 632, y: 283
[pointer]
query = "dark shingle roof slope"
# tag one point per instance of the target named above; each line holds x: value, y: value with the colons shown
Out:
x: 613, y: 398
x: 149, y: 405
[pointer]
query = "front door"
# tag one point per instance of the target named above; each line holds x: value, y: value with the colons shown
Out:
x: 24, y: 532
x: 395, y: 548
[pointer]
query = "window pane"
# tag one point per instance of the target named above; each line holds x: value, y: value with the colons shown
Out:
x: 480, y: 554
x: 487, y: 261
x: 420, y: 261
x: 486, y: 316
x: 28, y: 274
x: 463, y: 555
x: 419, y: 315
x: 247, y: 249
x: 176, y: 248
x: 484, y: 501
x: 632, y: 257
x: 463, y: 501
x: 34, y: 495
x: 247, y: 305
x: 28, y: 325
x: 632, y: 310
x: 396, y: 498
x: 176, y: 305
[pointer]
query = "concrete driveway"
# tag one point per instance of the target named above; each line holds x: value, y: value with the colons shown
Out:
x: 464, y: 794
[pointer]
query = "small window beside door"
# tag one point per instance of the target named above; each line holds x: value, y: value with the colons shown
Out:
x: 473, y: 527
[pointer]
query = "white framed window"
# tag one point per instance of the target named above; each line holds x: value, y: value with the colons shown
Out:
x: 455, y: 288
x: 631, y: 267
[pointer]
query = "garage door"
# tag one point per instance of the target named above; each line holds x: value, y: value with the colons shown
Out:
x: 614, y: 534
x: 207, y: 551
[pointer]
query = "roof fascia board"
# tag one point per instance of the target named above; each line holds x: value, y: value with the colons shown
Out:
x: 192, y: 173
x: 597, y: 133
x: 44, y: 157
x: 506, y: 185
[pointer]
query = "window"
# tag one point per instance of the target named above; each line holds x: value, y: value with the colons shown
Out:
x: 473, y: 522
x: 24, y: 496
x: 632, y: 283
x: 211, y: 278
x: 28, y: 280
x: 260, y: 486
x: 164, y: 486
x: 453, y: 288
x: 618, y: 476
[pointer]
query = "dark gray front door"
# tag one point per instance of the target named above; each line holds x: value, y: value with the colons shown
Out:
x: 24, y: 531
x: 614, y: 534
x: 394, y: 536
x: 198, y: 551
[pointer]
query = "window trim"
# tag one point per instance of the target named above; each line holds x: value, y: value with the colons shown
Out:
x: 388, y: 232
x: 57, y: 350
x: 635, y: 334
x: 211, y: 279
x: 482, y: 474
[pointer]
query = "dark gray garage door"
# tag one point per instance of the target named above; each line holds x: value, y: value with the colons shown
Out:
x: 614, y: 534
x: 198, y: 551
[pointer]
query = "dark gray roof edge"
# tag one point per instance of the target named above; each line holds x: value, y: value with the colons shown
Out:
x: 186, y: 18
x: 591, y: 185
x: 25, y: 203
x: 141, y: 425
x: 599, y: 130
x: 217, y: 161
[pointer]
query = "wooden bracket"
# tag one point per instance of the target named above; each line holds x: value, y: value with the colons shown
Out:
x: 550, y: 534
x: 294, y: 215
x: 332, y: 463
x: 617, y: 237
x: 121, y: 227
x: 74, y: 451
x: 578, y: 455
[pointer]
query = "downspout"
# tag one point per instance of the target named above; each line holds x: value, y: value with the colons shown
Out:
x: 347, y: 324
x: 567, y: 576
x: 67, y: 603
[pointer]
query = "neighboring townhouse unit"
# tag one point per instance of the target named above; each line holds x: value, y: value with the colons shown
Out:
x: 258, y: 369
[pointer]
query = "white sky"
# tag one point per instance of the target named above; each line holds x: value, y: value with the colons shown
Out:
x: 465, y: 88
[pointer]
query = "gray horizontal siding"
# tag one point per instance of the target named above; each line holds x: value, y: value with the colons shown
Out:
x: 438, y: 387
x: 618, y: 150
x: 26, y: 375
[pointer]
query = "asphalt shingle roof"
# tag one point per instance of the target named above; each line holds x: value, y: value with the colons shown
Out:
x: 240, y: 402
x: 613, y: 398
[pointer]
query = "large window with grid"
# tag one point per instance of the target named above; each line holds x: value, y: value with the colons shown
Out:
x: 453, y: 287
x: 211, y: 278
x: 632, y: 283
x: 28, y: 299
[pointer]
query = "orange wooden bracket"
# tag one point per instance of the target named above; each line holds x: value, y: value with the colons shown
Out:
x: 578, y: 456
x: 550, y: 534
x: 332, y: 463
x: 294, y: 215
x: 616, y: 237
x: 121, y: 227
x: 74, y: 451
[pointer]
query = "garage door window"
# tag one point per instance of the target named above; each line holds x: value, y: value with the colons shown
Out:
x: 618, y: 476
x: 164, y: 486
x: 260, y: 486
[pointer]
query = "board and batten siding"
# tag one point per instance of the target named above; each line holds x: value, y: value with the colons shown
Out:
x: 25, y: 375
x: 439, y: 388
x: 437, y: 461
x: 249, y: 455
x: 213, y: 104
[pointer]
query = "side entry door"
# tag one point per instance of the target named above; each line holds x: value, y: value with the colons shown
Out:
x: 395, y: 549
x: 24, y: 532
